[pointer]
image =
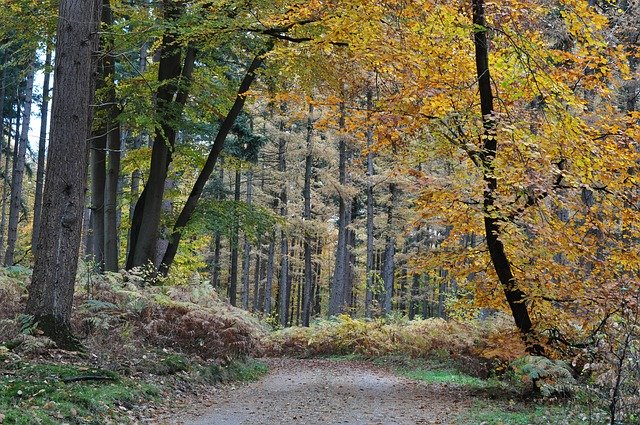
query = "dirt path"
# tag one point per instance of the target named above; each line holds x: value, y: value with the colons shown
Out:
x: 330, y: 392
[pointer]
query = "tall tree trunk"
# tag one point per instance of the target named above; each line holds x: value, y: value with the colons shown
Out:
x: 388, y: 264
x: 42, y: 149
x: 215, y: 265
x: 51, y: 291
x: 516, y: 298
x: 246, y: 251
x: 341, y: 271
x: 268, y: 287
x: 136, y: 175
x: 18, y: 169
x: 256, y: 278
x: 205, y: 173
x: 3, y: 92
x: 370, y: 238
x: 308, y: 240
x: 7, y: 177
x: 284, y: 287
x: 174, y: 74
x: 113, y: 145
x: 233, y: 274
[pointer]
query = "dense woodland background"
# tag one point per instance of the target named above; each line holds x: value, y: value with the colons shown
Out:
x: 309, y: 159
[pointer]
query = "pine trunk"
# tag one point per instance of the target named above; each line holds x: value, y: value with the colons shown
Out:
x: 52, y: 286
x: 18, y: 170
x: 42, y: 149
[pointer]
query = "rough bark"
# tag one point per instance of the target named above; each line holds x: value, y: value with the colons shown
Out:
x: 205, y: 173
x: 269, y: 283
x: 113, y: 151
x: 516, y: 298
x: 52, y: 285
x: 18, y: 169
x: 7, y: 178
x: 370, y: 238
x: 233, y: 274
x: 308, y: 240
x: 246, y: 250
x: 388, y: 263
x: 42, y: 147
x: 341, y: 273
x: 285, y: 284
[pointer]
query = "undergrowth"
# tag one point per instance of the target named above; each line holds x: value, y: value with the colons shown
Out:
x: 146, y: 346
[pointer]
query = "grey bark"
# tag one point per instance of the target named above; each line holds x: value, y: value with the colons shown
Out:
x: 308, y: 266
x: 7, y: 177
x: 285, y: 284
x: 233, y: 274
x: 42, y: 148
x: 341, y: 271
x: 246, y: 251
x: 388, y: 264
x: 52, y: 286
x: 370, y: 238
x: 269, y: 283
x: 18, y: 169
x: 113, y: 155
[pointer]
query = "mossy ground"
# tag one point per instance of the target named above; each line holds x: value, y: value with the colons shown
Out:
x: 45, y: 393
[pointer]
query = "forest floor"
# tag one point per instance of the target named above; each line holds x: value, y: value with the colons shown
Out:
x: 321, y: 391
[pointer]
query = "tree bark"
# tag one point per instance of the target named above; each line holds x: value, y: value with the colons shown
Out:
x: 308, y: 240
x: 18, y: 169
x: 113, y: 153
x: 174, y: 74
x: 7, y: 178
x: 285, y: 286
x: 341, y: 273
x: 51, y: 291
x: 370, y: 201
x: 246, y: 251
x: 516, y: 298
x: 233, y: 274
x: 268, y: 288
x: 42, y: 148
x: 388, y: 263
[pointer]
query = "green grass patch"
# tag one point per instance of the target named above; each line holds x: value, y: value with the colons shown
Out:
x: 55, y: 393
x: 237, y: 370
x: 446, y: 377
x: 493, y: 412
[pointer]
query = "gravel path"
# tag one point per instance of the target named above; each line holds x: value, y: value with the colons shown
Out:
x: 329, y: 392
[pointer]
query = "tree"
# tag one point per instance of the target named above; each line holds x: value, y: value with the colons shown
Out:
x: 52, y: 285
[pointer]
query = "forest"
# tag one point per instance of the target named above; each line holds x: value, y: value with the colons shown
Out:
x: 444, y: 193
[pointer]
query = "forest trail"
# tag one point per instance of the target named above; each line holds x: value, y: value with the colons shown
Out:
x: 331, y: 392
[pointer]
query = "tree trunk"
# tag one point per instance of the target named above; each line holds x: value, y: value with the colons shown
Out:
x: 7, y: 178
x: 388, y: 264
x: 516, y: 298
x: 51, y: 291
x: 246, y: 251
x: 205, y: 173
x: 18, y: 169
x: 370, y: 238
x: 285, y: 287
x: 174, y: 74
x: 113, y: 145
x: 233, y: 274
x: 270, y: 266
x: 42, y: 149
x: 308, y: 240
x: 341, y: 271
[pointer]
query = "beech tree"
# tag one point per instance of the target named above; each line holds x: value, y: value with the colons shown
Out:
x: 52, y: 286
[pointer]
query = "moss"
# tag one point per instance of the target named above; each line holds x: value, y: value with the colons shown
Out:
x: 38, y: 393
